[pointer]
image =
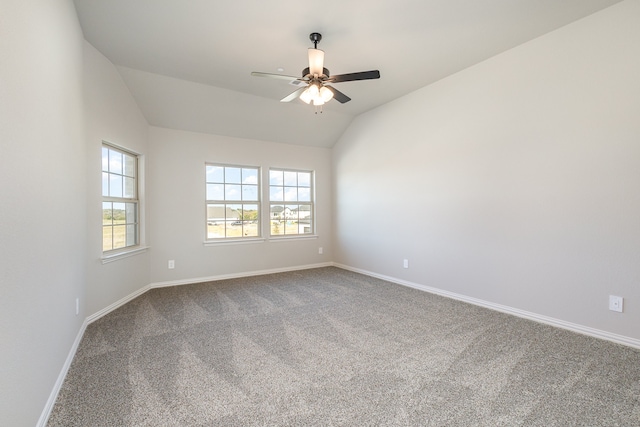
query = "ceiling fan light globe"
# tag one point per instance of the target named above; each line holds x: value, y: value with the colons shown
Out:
x: 325, y: 94
x: 314, y: 91
x: 316, y: 62
x: 306, y: 96
x: 318, y: 101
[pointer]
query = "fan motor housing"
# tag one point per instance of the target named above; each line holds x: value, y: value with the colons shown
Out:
x: 306, y: 72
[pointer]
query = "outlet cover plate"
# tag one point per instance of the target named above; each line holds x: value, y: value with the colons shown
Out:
x: 615, y: 303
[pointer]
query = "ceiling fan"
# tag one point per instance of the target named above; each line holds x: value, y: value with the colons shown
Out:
x: 316, y: 79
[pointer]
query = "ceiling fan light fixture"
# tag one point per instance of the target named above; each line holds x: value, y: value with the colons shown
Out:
x: 311, y: 93
x: 314, y: 90
x: 317, y: 94
x: 306, y: 96
x: 325, y: 94
x: 316, y: 62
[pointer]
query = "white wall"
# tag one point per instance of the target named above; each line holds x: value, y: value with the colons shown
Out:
x: 111, y: 115
x: 177, y: 202
x: 42, y: 200
x: 516, y: 181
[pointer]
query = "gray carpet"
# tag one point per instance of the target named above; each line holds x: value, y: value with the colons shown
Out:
x: 328, y: 347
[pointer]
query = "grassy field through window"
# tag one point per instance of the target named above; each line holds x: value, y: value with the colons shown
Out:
x: 222, y: 229
x: 114, y: 237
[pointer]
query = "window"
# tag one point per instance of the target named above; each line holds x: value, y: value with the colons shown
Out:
x: 290, y: 202
x: 120, y: 205
x: 233, y: 201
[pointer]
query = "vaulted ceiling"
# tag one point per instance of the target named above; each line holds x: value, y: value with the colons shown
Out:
x: 188, y: 63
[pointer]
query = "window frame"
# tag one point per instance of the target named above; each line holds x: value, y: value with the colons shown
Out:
x: 228, y: 202
x: 126, y: 199
x: 310, y: 203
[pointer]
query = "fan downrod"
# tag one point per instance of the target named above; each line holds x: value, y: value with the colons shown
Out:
x: 315, y: 38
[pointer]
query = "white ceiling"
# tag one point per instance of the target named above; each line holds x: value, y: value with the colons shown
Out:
x: 188, y: 63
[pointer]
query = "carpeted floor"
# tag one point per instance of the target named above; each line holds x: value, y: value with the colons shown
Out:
x: 328, y: 347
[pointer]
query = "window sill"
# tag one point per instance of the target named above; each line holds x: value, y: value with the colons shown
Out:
x: 294, y: 237
x: 124, y: 254
x: 233, y: 241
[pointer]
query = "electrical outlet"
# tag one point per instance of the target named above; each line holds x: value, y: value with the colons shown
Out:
x: 172, y: 264
x: 77, y: 306
x: 405, y: 263
x: 320, y: 250
x: 615, y: 303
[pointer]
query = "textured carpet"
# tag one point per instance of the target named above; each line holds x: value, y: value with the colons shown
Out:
x: 329, y: 347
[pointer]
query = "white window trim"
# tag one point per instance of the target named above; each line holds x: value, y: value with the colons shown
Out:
x: 215, y: 241
x: 120, y: 253
x: 290, y: 237
x: 115, y: 256
x: 232, y: 241
x: 285, y: 237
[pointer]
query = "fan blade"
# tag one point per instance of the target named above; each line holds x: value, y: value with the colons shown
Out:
x: 274, y: 76
x: 293, y: 95
x: 337, y: 95
x: 363, y: 75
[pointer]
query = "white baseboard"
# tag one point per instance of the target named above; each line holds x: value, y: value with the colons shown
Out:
x: 581, y: 329
x: 237, y: 275
x: 46, y: 412
x: 117, y: 304
x: 193, y: 280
